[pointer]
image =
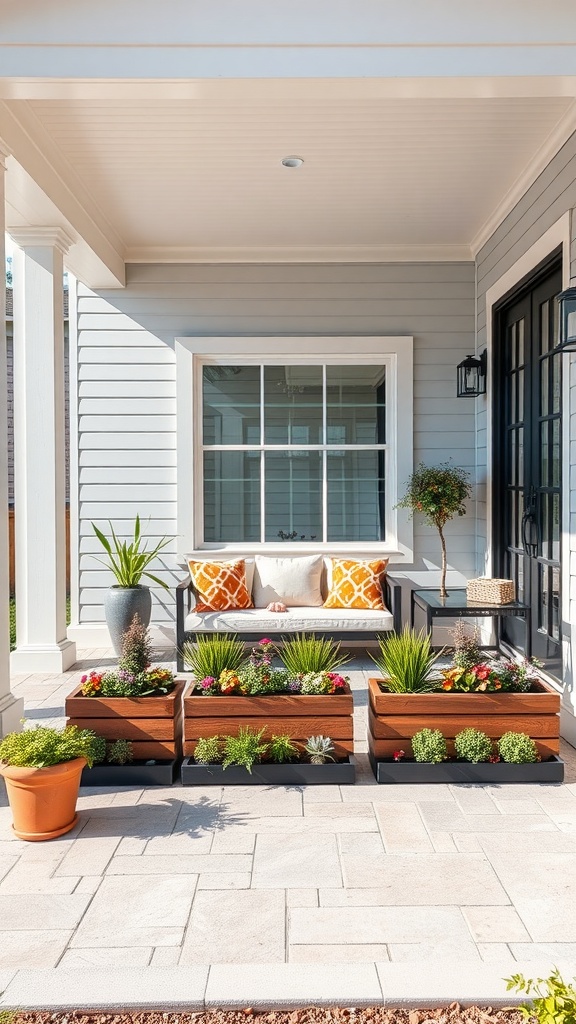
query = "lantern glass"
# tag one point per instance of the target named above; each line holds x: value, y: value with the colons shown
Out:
x: 567, y: 320
x: 471, y: 379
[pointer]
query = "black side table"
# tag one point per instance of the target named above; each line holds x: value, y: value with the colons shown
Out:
x: 456, y: 605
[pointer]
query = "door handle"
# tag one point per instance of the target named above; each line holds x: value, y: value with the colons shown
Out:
x: 530, y: 526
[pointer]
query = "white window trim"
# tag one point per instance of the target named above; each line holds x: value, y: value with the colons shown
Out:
x: 394, y: 352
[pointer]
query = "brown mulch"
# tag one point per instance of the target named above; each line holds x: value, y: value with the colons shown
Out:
x: 453, y: 1014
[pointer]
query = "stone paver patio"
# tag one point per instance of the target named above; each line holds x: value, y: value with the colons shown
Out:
x: 324, y: 875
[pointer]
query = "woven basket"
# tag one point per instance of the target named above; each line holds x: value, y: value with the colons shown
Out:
x: 488, y: 591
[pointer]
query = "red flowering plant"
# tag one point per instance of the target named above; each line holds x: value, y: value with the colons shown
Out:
x: 489, y: 677
x: 91, y: 684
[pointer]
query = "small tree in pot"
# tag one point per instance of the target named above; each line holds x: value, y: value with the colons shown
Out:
x: 128, y: 597
x: 438, y: 493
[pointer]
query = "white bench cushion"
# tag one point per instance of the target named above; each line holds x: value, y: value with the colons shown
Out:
x: 256, y: 620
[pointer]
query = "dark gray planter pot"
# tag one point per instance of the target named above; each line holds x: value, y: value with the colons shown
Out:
x: 413, y: 772
x: 339, y: 773
x: 121, y: 604
x: 140, y: 773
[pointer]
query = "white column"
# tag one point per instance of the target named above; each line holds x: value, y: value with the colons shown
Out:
x: 39, y: 452
x: 11, y: 708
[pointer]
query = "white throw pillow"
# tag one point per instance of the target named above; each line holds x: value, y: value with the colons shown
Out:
x: 295, y: 581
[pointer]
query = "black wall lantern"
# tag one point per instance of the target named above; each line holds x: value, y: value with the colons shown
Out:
x: 567, y: 321
x: 472, y: 376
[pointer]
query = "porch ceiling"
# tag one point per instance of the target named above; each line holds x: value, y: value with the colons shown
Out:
x: 200, y: 178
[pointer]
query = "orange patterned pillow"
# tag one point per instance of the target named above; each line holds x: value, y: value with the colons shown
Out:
x: 356, y: 584
x: 220, y: 586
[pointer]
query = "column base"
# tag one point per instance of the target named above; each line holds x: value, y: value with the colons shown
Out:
x: 11, y: 714
x: 43, y: 657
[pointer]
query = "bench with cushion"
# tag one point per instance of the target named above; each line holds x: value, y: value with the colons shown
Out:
x: 302, y: 584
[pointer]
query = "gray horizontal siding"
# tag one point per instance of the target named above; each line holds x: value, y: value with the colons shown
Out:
x: 127, y: 378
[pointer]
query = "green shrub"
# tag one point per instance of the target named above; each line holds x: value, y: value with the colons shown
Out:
x: 43, y: 747
x: 306, y: 652
x: 406, y: 660
x: 98, y: 749
x: 245, y: 749
x: 210, y: 655
x: 281, y: 750
x: 120, y: 752
x: 208, y: 750
x: 517, y: 748
x: 473, y: 745
x: 554, y: 1002
x: 429, y: 745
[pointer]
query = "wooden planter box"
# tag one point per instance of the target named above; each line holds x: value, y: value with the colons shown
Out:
x: 152, y: 724
x: 298, y: 716
x: 342, y: 773
x: 393, y: 718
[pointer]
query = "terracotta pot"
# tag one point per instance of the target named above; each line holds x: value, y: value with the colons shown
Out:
x: 43, y: 800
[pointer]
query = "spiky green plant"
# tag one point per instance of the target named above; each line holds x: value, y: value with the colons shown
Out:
x: 245, y: 750
x: 429, y: 745
x: 406, y: 660
x: 208, y: 750
x: 210, y: 655
x: 319, y: 749
x: 281, y: 749
x: 129, y: 562
x: 120, y: 752
x: 306, y: 652
x: 553, y: 1001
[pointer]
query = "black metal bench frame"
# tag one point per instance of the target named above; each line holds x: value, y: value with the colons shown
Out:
x: 391, y: 589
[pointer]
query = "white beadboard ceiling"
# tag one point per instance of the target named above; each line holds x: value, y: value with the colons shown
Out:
x: 176, y: 176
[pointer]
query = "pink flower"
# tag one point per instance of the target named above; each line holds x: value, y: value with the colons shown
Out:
x: 265, y: 642
x: 398, y: 755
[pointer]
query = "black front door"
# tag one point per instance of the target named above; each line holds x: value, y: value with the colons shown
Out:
x: 527, y: 460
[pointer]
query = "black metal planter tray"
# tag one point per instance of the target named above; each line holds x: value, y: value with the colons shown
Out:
x: 342, y: 773
x: 410, y: 772
x: 139, y: 773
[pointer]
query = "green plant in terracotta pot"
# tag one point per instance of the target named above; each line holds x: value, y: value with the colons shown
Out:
x: 42, y: 769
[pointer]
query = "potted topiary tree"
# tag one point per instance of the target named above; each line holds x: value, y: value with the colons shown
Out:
x: 128, y: 596
x: 42, y: 769
x: 438, y: 493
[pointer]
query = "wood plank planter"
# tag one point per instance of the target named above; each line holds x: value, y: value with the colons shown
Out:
x: 341, y: 773
x: 412, y: 772
x: 393, y: 718
x: 298, y: 715
x: 157, y: 773
x: 152, y: 724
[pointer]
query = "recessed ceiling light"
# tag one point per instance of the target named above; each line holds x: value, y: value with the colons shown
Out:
x: 292, y: 161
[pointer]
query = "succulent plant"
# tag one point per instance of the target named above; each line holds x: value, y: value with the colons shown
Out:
x: 319, y: 749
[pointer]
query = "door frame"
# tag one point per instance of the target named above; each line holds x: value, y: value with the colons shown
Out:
x: 555, y: 239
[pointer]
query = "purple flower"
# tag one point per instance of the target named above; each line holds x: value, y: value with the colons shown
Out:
x: 207, y: 682
x: 294, y: 686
